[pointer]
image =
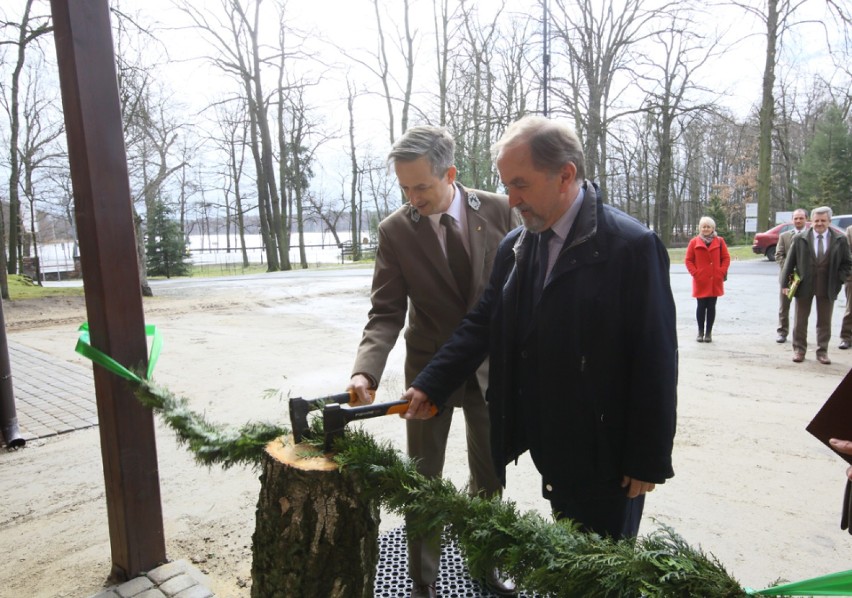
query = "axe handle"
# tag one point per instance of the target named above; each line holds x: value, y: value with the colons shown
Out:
x: 402, y: 407
x: 379, y: 409
x: 349, y: 397
x: 354, y: 397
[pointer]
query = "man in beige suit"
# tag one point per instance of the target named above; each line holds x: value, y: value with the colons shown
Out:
x: 800, y: 222
x: 442, y: 223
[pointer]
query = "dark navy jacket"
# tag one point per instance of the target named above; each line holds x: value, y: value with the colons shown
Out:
x: 589, y: 386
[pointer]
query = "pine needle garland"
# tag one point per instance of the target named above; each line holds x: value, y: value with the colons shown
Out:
x: 210, y: 444
x: 545, y: 557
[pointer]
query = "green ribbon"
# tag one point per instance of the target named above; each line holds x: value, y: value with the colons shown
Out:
x: 84, y: 347
x: 834, y: 584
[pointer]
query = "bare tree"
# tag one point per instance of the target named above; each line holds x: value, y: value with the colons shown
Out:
x: 303, y: 140
x: 444, y: 37
x: 391, y: 89
x: 328, y: 212
x: 681, y: 55
x: 42, y: 148
x: 381, y: 187
x: 235, y: 37
x: 598, y: 39
x: 777, y: 18
x: 28, y: 31
x: 232, y: 141
x: 354, y: 211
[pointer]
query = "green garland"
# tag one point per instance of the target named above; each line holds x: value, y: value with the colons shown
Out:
x: 553, y: 559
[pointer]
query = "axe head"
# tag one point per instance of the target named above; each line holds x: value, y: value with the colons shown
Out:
x: 333, y: 421
x: 299, y: 409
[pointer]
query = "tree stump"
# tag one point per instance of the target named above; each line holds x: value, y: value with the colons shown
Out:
x: 314, y: 533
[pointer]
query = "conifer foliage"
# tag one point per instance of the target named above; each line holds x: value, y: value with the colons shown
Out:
x: 165, y: 244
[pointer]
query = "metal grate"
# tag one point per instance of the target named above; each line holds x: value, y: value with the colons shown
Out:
x: 454, y: 580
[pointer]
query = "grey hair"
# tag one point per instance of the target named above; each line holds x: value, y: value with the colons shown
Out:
x: 708, y: 220
x: 821, y: 210
x: 433, y: 143
x: 552, y: 144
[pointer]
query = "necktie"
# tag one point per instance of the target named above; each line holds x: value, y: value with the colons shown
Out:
x: 457, y: 256
x: 820, y: 250
x: 542, y: 258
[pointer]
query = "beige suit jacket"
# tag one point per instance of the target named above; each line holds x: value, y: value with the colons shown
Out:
x: 412, y: 276
x: 785, y: 240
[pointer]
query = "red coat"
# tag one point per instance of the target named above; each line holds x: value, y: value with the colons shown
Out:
x: 708, y: 266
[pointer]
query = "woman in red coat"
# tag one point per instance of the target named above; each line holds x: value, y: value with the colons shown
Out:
x: 707, y: 260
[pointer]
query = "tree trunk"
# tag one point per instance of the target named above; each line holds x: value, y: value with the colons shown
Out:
x: 314, y: 534
x: 767, y: 115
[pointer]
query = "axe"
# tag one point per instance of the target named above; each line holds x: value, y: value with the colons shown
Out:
x: 335, y: 417
x: 299, y: 409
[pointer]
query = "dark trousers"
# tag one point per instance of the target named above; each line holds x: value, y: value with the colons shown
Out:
x: 615, y: 516
x: 846, y: 325
x: 705, y: 314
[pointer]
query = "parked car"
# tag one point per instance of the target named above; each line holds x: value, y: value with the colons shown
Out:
x: 841, y: 221
x: 765, y: 242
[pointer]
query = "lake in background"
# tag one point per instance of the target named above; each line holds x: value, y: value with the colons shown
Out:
x: 320, y: 248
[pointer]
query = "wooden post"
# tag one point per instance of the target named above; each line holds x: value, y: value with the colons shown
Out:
x: 315, y: 534
x: 102, y: 208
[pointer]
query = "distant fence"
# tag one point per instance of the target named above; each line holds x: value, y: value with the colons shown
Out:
x: 57, y: 261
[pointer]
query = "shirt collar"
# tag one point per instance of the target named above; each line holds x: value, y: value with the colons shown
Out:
x: 562, y: 227
x: 455, y: 209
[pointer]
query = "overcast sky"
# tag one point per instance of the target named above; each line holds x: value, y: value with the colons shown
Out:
x: 350, y: 24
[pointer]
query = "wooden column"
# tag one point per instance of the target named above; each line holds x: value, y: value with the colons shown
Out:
x: 102, y: 208
x: 315, y: 534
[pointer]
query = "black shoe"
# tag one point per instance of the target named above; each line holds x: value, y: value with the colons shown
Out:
x: 700, y: 338
x: 499, y: 585
x: 708, y: 338
x: 423, y: 591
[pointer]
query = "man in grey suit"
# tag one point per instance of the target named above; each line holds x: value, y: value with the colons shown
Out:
x: 800, y: 222
x: 433, y: 260
x: 821, y: 258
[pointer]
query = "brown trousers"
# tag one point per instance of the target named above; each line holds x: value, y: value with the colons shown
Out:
x: 825, y: 306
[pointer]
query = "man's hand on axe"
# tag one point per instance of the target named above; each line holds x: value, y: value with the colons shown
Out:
x: 363, y: 387
x: 419, y: 405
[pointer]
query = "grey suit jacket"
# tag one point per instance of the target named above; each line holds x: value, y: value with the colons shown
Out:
x: 412, y: 276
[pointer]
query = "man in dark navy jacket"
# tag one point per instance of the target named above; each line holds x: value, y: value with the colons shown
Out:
x: 579, y: 322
